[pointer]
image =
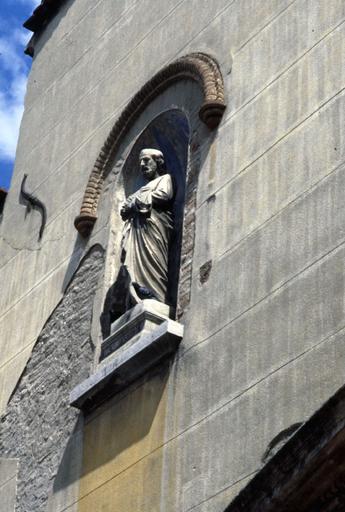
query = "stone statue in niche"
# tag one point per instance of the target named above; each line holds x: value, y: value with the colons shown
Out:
x: 147, y: 231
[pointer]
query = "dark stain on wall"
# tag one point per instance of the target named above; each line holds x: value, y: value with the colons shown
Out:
x: 205, y: 271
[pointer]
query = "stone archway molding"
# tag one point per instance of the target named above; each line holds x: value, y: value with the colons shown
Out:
x: 198, y: 67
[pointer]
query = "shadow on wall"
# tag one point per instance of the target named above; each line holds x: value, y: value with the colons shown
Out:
x: 70, y: 467
x: 3, y: 195
x: 113, y: 440
x: 126, y: 428
x: 74, y: 262
x: 279, y: 440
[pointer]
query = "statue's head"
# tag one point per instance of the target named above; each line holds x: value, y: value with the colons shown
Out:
x: 151, y: 163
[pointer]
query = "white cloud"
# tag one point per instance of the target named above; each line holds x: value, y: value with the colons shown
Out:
x: 13, y: 68
x: 21, y: 36
x: 10, y: 58
x: 30, y: 3
x: 11, y: 111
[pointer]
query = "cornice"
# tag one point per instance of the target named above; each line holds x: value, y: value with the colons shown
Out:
x: 43, y: 13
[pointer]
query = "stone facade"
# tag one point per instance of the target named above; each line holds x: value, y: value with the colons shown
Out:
x: 262, y: 285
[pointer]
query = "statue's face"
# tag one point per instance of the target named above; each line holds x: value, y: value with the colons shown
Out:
x: 148, y: 166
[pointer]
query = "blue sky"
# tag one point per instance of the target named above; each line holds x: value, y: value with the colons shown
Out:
x: 14, y: 68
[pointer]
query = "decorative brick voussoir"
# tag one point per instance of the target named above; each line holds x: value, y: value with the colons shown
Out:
x: 198, y: 67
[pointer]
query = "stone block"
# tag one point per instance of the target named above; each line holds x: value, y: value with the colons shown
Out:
x: 290, y: 169
x: 46, y: 294
x: 318, y: 286
x: 131, y: 360
x: 133, y: 423
x: 286, y: 245
x: 8, y: 495
x: 74, y: 42
x: 237, y: 27
x: 65, y: 492
x: 219, y: 502
x: 228, y: 444
x: 34, y: 266
x: 138, y: 321
x: 119, y: 491
x: 244, y: 139
x: 295, y: 32
x: 8, y: 470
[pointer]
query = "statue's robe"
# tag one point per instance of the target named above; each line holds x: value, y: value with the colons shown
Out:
x: 146, y: 236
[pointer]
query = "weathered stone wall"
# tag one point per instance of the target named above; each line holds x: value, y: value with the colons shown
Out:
x: 39, y: 428
x: 264, y: 339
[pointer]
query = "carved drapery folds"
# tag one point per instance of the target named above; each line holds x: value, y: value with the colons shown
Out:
x: 196, y: 66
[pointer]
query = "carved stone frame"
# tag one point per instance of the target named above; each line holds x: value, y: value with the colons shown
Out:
x: 198, y: 67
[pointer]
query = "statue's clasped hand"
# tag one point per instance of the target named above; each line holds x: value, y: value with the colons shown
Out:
x: 135, y: 208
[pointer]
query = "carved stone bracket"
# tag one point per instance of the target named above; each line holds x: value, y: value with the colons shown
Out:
x: 198, y: 67
x: 140, y: 340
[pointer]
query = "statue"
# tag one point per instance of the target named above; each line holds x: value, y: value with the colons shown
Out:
x: 147, y: 231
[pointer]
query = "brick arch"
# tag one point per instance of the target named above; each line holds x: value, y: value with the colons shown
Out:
x: 198, y: 67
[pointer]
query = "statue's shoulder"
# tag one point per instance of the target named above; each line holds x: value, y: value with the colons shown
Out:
x: 161, y: 181
x: 166, y: 178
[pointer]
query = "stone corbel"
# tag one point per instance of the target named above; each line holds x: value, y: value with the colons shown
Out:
x: 140, y: 340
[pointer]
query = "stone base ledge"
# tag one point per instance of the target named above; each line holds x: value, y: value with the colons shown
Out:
x: 126, y: 330
x: 132, y: 362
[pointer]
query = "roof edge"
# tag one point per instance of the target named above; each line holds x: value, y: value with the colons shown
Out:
x: 43, y: 13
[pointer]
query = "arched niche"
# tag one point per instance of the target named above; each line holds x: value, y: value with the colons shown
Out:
x: 170, y: 133
x: 197, y: 67
x: 172, y: 122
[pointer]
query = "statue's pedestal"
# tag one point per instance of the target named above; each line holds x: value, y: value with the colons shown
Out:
x: 139, y: 340
x: 138, y: 321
